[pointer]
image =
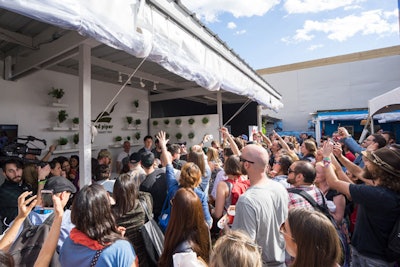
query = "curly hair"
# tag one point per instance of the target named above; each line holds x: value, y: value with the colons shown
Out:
x: 386, y: 179
x: 190, y: 175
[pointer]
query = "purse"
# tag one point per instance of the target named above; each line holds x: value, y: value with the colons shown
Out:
x: 152, y: 235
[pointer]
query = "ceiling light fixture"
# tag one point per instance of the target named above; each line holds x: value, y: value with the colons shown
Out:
x: 142, y: 84
x: 119, y: 77
x: 155, y: 86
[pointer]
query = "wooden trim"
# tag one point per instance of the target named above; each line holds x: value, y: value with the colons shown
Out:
x: 377, y: 53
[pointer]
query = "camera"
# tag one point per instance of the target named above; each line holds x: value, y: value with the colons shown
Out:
x: 47, y: 198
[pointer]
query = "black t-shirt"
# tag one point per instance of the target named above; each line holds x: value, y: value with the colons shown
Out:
x: 378, y: 210
x: 9, y: 193
x: 156, y: 184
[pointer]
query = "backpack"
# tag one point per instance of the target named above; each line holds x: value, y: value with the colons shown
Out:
x: 26, y: 247
x: 236, y: 189
x: 346, y: 255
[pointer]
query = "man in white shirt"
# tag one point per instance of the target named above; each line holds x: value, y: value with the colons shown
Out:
x: 123, y: 154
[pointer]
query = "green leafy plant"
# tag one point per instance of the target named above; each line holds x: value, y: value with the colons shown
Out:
x: 75, y: 138
x: 62, y: 141
x: 62, y: 116
x: 75, y: 120
x: 56, y: 92
x: 118, y: 138
x: 166, y: 121
x: 136, y: 103
x: 128, y: 138
x: 167, y: 135
x: 191, y: 135
x: 129, y: 119
x: 178, y: 121
x: 205, y: 120
x: 137, y: 135
x: 155, y: 123
x: 178, y: 136
x: 191, y: 121
x: 138, y: 121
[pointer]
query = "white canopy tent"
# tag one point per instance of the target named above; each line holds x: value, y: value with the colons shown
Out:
x: 385, y: 103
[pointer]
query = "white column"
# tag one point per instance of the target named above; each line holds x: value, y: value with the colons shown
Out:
x: 85, y: 145
x: 220, y: 113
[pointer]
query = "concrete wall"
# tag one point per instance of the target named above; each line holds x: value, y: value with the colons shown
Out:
x: 331, y: 87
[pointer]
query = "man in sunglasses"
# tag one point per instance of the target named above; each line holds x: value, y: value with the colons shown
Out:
x: 262, y: 209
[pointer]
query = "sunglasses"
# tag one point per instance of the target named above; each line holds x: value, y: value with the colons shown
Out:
x: 245, y: 160
x: 290, y: 170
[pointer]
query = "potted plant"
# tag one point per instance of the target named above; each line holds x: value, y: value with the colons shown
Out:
x: 75, y: 139
x: 138, y: 122
x: 178, y: 122
x: 137, y: 136
x: 75, y: 122
x: 118, y: 140
x: 155, y: 123
x: 178, y: 136
x: 62, y: 141
x: 128, y: 138
x: 129, y: 119
x: 57, y: 93
x: 136, y: 103
x: 166, y: 122
x: 205, y: 120
x: 62, y: 116
x: 191, y: 121
x: 191, y: 135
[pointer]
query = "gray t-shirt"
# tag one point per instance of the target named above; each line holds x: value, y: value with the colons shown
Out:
x: 260, y: 212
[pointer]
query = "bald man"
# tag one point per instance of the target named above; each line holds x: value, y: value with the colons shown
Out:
x: 263, y: 208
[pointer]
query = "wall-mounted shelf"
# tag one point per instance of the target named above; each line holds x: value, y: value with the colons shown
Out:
x: 63, y: 129
x: 70, y: 150
x: 59, y: 105
x: 132, y: 128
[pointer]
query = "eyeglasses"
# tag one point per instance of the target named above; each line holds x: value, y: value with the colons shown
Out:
x: 245, y: 160
x: 277, y: 162
x: 283, y: 231
x: 290, y: 170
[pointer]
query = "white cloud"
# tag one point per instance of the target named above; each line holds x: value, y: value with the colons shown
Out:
x: 240, y: 32
x: 353, y: 7
x: 315, y: 6
x: 210, y: 9
x: 231, y: 25
x: 314, y: 47
x: 340, y: 29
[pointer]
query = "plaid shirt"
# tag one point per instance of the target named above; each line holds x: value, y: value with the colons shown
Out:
x: 295, y: 200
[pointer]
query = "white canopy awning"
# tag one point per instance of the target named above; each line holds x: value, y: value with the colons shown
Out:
x: 385, y: 103
x: 162, y: 31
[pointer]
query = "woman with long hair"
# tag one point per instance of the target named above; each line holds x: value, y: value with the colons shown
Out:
x: 130, y: 214
x: 186, y: 231
x: 96, y: 233
x: 308, y: 149
x: 198, y: 157
x: 190, y: 177
x: 311, y: 239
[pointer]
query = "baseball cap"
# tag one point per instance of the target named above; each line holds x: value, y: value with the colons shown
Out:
x: 59, y: 184
x: 244, y: 137
x: 147, y: 159
x: 134, y: 158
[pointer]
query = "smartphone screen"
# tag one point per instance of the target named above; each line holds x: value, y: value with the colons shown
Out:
x: 47, y: 199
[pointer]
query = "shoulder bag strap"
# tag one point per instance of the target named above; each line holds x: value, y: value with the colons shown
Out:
x: 96, y: 257
x: 144, y: 206
x: 305, y: 195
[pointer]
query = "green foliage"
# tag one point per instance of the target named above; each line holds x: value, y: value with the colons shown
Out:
x: 138, y: 122
x: 166, y: 121
x: 62, y: 141
x: 205, y: 120
x: 191, y: 121
x: 178, y: 121
x: 75, y: 120
x: 62, y: 115
x: 75, y: 139
x: 178, y: 136
x: 128, y: 138
x: 137, y: 135
x: 136, y: 103
x: 118, y: 138
x: 129, y: 119
x: 191, y: 135
x: 155, y: 123
x: 56, y: 92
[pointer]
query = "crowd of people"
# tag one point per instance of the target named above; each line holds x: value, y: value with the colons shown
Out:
x: 274, y: 201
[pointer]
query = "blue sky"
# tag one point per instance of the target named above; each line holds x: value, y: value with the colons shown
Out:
x: 267, y: 33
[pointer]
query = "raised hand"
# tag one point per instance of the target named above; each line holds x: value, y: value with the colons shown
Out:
x: 25, y: 205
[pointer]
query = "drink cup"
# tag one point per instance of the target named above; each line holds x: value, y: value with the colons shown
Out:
x: 231, y: 214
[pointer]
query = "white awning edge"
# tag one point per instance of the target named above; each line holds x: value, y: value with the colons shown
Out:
x: 190, y: 52
x: 384, y: 103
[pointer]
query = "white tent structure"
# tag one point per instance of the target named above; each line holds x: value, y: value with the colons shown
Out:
x: 385, y: 103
